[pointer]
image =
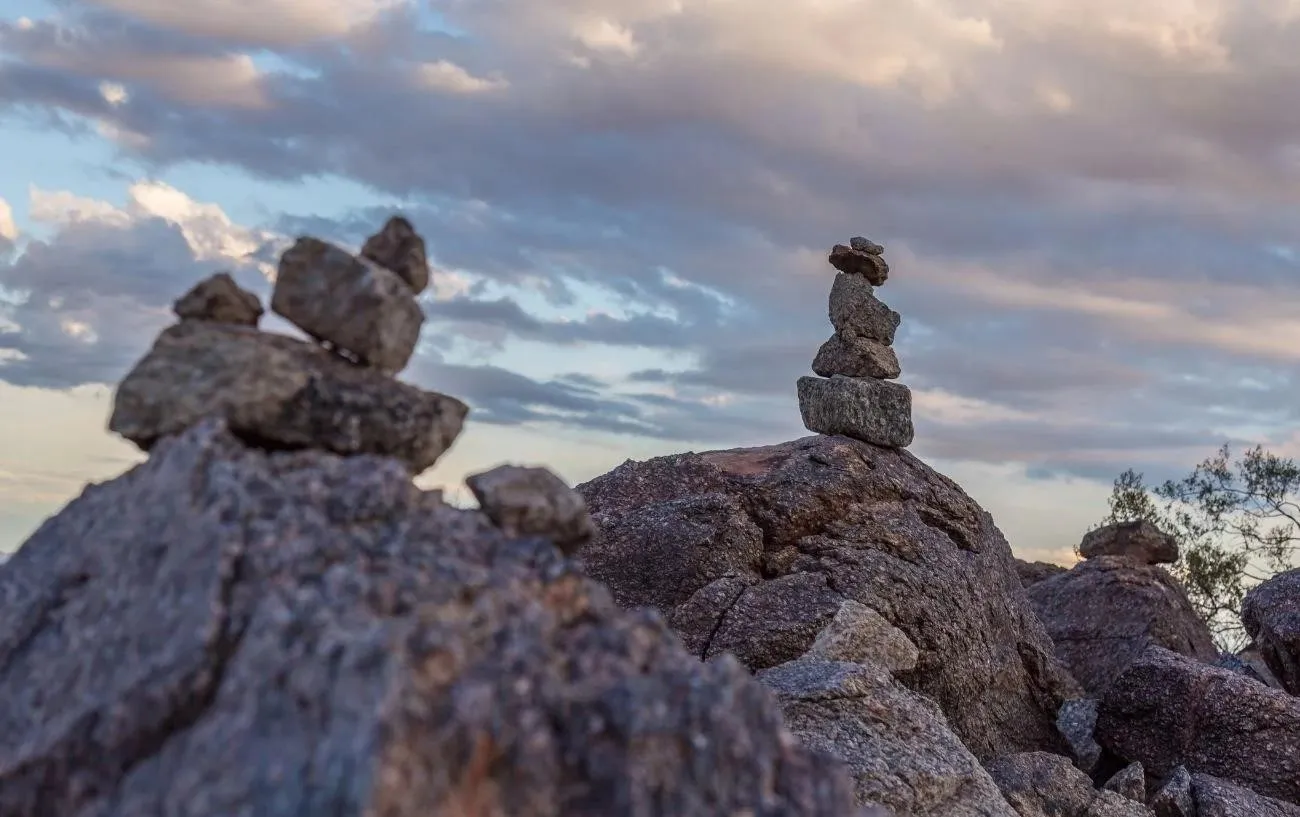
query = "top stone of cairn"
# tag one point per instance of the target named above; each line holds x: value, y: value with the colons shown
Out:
x: 861, y: 257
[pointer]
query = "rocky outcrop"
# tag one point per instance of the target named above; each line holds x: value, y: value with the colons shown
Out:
x: 1139, y: 541
x: 1034, y: 572
x: 223, y: 630
x: 702, y: 536
x: 1106, y: 611
x: 1271, y: 614
x: 895, y: 743
x: 852, y: 394
x: 1167, y: 710
x: 1039, y: 784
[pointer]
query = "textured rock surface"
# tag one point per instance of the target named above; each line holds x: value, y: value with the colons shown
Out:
x: 398, y: 247
x: 1106, y: 611
x: 895, y: 743
x: 873, y: 411
x: 281, y: 392
x: 1077, y: 722
x: 1131, y: 782
x: 1271, y: 613
x: 533, y: 502
x: 223, y: 631
x: 1174, y: 797
x: 860, y: 635
x: 219, y: 299
x: 856, y: 357
x: 775, y: 621
x: 870, y: 266
x: 864, y: 244
x: 357, y: 306
x: 856, y: 312
x: 1218, y: 798
x: 1034, y: 572
x: 1140, y: 541
x: 1168, y: 710
x: 1039, y: 784
x: 688, y: 533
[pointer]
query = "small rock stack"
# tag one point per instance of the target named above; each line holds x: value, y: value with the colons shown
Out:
x: 854, y: 394
x: 337, y: 395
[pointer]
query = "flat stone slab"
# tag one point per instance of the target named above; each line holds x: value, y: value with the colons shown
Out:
x: 856, y: 357
x: 860, y: 262
x: 1139, y: 540
x: 280, y: 392
x: 873, y: 411
x: 354, y: 304
x: 856, y: 312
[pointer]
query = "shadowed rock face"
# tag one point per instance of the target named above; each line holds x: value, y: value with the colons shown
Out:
x: 1218, y: 798
x: 225, y: 631
x: 1271, y: 613
x: 1167, y: 710
x: 701, y: 536
x: 1104, y: 612
x: 1039, y: 784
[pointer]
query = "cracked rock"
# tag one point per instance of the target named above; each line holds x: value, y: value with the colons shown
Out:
x: 533, y: 502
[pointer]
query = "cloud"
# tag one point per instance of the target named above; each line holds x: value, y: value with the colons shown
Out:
x: 448, y: 76
x: 256, y: 22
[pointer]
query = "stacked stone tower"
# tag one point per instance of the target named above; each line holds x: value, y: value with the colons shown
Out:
x: 855, y: 394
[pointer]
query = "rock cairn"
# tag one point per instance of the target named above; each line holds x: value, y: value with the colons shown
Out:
x: 854, y: 394
x: 338, y: 394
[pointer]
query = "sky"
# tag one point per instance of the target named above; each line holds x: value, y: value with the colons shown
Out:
x: 1091, y: 219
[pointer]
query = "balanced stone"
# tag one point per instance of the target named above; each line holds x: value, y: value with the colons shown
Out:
x: 352, y: 303
x: 533, y: 502
x: 873, y: 411
x: 400, y: 248
x: 859, y: 262
x: 1139, y: 541
x: 856, y: 357
x: 219, y: 299
x: 280, y: 392
x: 856, y: 312
x: 865, y: 245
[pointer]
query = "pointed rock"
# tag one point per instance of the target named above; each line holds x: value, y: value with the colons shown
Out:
x: 220, y: 300
x: 400, y: 248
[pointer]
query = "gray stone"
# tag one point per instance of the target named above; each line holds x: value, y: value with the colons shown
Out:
x: 856, y: 357
x: 1271, y: 613
x: 533, y: 502
x: 1131, y: 782
x: 1168, y: 710
x: 1174, y: 797
x: 1140, y: 541
x: 356, y: 306
x: 873, y: 411
x: 1106, y: 611
x: 896, y: 744
x: 1039, y: 784
x: 1032, y: 573
x: 398, y: 247
x: 1219, y: 798
x: 279, y: 392
x: 862, y: 244
x: 870, y: 266
x: 219, y: 299
x: 1077, y: 723
x: 884, y: 529
x: 225, y: 631
x: 860, y: 635
x: 856, y: 312
x: 775, y: 621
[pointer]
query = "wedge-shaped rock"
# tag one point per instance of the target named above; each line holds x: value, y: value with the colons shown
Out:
x: 860, y: 635
x: 400, y: 248
x: 282, y: 393
x: 218, y: 298
x: 896, y: 744
x: 855, y: 311
x: 533, y: 502
x: 358, y: 307
x: 1271, y: 613
x: 856, y: 357
x: 873, y: 411
x: 224, y: 631
x: 1168, y: 710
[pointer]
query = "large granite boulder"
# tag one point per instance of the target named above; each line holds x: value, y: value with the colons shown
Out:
x: 1218, y: 798
x: 1104, y: 612
x: 1139, y: 541
x: 224, y: 630
x: 280, y: 392
x: 1040, y: 784
x: 701, y: 536
x: 1167, y: 710
x: 896, y: 743
x: 1271, y: 614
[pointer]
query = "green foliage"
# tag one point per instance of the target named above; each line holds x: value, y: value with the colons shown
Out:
x: 1237, y: 523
